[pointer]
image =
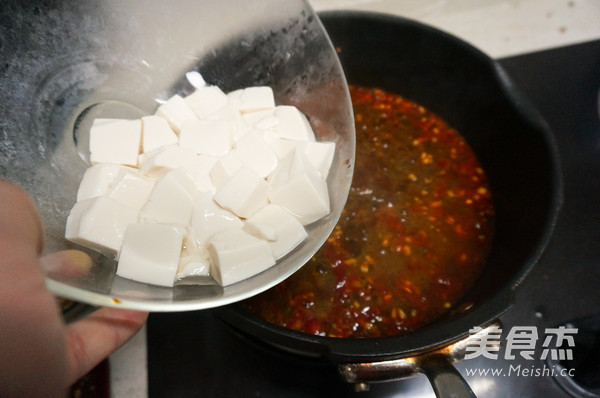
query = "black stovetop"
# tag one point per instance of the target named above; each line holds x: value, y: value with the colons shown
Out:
x: 193, y: 354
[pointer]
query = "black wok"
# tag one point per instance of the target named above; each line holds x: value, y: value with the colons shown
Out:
x: 514, y: 145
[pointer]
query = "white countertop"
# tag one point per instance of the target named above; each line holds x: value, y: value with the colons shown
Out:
x: 499, y: 28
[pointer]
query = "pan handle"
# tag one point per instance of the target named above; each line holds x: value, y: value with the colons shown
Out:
x: 437, y: 365
x: 446, y: 381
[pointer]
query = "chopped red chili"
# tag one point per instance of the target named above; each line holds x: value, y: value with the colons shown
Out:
x: 411, y: 240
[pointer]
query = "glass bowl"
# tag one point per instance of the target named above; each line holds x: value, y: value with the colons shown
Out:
x: 66, y: 64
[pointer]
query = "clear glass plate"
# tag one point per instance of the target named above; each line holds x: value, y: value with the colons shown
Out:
x: 66, y: 63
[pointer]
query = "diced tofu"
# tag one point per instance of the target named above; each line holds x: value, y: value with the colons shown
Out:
x: 251, y: 119
x: 160, y: 161
x: 266, y: 123
x: 98, y: 179
x: 244, y: 193
x: 257, y: 98
x: 171, y: 201
x: 236, y: 255
x: 194, y: 260
x: 156, y: 132
x: 230, y: 113
x: 198, y: 169
x: 292, y: 124
x: 150, y: 253
x: 131, y: 188
x: 193, y: 265
x: 176, y: 111
x: 208, y: 218
x: 255, y: 153
x: 206, y: 100
x: 319, y: 153
x: 195, y: 79
x: 225, y: 167
x: 209, y: 137
x: 298, y: 187
x: 99, y: 224
x: 115, y: 141
x: 288, y: 231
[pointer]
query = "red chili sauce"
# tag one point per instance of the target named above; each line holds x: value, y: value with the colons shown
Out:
x: 412, y: 237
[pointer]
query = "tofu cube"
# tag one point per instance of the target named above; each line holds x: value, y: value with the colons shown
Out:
x: 274, y: 221
x: 298, y: 187
x: 160, y: 161
x: 98, y: 179
x: 156, y: 132
x: 176, y: 111
x: 244, y: 193
x: 208, y: 218
x: 206, y: 100
x: 224, y: 168
x: 256, y: 119
x: 198, y: 169
x: 115, y: 141
x: 292, y: 124
x: 255, y: 153
x: 257, y: 98
x: 236, y: 255
x: 131, y: 188
x: 209, y: 137
x: 231, y: 114
x: 171, y: 201
x: 99, y: 224
x: 150, y: 253
x: 194, y: 260
x: 319, y: 153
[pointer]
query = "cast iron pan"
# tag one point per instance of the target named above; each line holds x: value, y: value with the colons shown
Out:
x: 514, y: 145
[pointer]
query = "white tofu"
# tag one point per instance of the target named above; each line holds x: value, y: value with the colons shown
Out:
x: 244, y: 193
x: 209, y: 137
x: 160, y: 161
x: 115, y: 141
x: 194, y: 260
x: 236, y: 255
x: 230, y: 113
x: 287, y: 230
x: 254, y: 152
x: 176, y: 111
x: 257, y: 98
x: 171, y: 201
x: 224, y: 168
x: 253, y: 118
x: 131, y: 188
x: 206, y: 100
x: 193, y: 265
x: 319, y: 153
x: 99, y: 224
x: 195, y: 79
x: 292, y: 124
x: 266, y: 123
x: 234, y: 98
x: 198, y: 169
x: 150, y: 253
x: 208, y: 218
x: 298, y: 187
x: 156, y: 132
x: 98, y: 179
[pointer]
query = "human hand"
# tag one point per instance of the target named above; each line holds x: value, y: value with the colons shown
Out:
x: 41, y: 356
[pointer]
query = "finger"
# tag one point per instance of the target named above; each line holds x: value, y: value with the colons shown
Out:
x: 19, y: 219
x: 98, y: 335
x: 68, y: 263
